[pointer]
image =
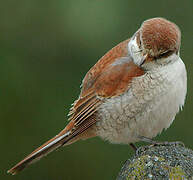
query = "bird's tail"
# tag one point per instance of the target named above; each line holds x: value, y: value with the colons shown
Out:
x: 63, y: 138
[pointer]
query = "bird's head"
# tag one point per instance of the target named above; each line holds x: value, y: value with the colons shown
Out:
x: 157, y: 42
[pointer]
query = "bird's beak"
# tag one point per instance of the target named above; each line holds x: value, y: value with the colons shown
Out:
x: 143, y: 59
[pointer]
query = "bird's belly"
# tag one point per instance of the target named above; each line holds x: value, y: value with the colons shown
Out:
x: 144, y: 110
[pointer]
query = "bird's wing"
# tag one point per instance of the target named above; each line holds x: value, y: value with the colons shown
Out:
x: 96, y: 84
x: 109, y: 77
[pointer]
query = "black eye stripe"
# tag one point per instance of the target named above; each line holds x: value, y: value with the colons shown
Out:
x: 165, y: 54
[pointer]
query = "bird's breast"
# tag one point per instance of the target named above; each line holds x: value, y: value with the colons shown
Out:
x: 149, y: 106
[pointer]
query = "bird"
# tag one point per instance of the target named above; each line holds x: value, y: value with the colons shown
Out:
x: 131, y: 94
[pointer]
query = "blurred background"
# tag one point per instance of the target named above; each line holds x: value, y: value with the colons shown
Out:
x: 46, y: 47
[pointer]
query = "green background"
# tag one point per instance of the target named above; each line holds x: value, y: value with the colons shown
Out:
x: 46, y: 47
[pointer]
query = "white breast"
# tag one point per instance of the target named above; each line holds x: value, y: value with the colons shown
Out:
x: 149, y: 106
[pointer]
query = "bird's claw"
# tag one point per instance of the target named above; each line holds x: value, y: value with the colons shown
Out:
x: 144, y: 148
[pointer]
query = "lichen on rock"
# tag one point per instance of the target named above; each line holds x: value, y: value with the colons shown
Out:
x: 159, y: 162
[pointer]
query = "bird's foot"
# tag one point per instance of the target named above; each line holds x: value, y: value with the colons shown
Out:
x: 155, y: 143
x: 141, y: 149
x: 169, y: 143
x: 133, y: 147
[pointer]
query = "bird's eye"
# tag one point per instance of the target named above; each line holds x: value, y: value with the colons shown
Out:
x: 165, y: 54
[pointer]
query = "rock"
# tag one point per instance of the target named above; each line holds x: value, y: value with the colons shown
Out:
x: 171, y: 161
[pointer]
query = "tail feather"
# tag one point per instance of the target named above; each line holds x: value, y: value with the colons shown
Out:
x: 67, y: 136
x: 43, y: 150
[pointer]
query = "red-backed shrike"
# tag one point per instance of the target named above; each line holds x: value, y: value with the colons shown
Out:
x: 133, y: 92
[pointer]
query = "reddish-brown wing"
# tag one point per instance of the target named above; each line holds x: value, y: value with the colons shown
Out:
x: 88, y: 100
x: 109, y: 77
x: 91, y: 77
